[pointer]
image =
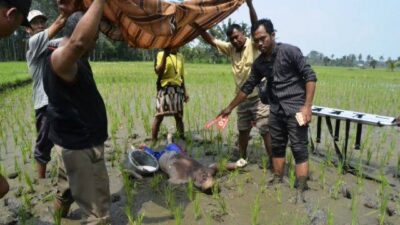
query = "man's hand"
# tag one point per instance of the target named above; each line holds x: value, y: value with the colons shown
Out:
x: 306, y: 111
x: 241, y: 163
x: 186, y: 98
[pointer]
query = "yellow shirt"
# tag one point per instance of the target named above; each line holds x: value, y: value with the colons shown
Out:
x: 173, y: 73
x: 241, y: 61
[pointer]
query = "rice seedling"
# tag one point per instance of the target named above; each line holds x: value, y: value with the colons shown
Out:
x: 56, y: 214
x: 369, y: 156
x: 169, y: 198
x: 264, y: 164
x: 190, y: 190
x: 178, y: 215
x: 336, y: 188
x: 292, y: 177
x: 155, y: 182
x: 322, y: 175
x: 278, y: 191
x: 360, y: 174
x: 255, y: 210
x: 23, y: 215
x: 196, y: 207
x: 354, y: 210
x: 29, y: 183
x: 129, y: 215
x: 221, y: 165
x: 222, y: 205
x: 208, y: 219
x: 329, y: 219
x: 384, y: 198
x: 17, y: 168
x: 139, y: 219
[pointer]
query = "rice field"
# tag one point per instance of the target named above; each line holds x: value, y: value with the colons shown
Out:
x: 128, y: 89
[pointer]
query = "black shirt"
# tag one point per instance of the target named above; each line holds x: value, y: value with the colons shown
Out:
x: 77, y: 114
x: 287, y: 73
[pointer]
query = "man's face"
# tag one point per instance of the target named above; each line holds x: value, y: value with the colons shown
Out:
x: 10, y: 20
x: 69, y: 6
x: 237, y: 39
x: 264, y: 41
x: 204, y: 180
x: 38, y: 24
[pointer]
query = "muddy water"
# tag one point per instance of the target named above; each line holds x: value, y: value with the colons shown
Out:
x: 236, y: 200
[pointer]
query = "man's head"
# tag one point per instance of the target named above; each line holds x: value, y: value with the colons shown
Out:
x: 13, y: 13
x: 264, y: 35
x: 70, y: 6
x: 37, y: 21
x: 204, y: 180
x: 69, y: 28
x: 236, y: 36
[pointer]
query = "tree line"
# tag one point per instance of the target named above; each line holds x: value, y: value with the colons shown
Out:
x: 353, y: 60
x: 14, y: 48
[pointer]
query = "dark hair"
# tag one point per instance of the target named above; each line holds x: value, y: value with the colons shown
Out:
x: 3, y: 3
x: 233, y: 27
x: 267, y: 23
x: 71, y: 23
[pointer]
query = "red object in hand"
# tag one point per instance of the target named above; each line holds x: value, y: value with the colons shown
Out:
x: 220, y: 122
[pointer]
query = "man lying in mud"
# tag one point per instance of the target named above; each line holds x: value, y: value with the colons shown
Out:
x: 180, y: 167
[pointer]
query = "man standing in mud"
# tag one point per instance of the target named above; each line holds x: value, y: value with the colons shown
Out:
x: 242, y: 52
x: 39, y: 42
x: 12, y: 15
x: 291, y: 86
x: 78, y: 120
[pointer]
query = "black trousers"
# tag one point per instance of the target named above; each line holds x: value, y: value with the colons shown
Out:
x: 43, y: 144
x: 283, y: 128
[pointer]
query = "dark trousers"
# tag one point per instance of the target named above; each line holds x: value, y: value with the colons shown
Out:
x: 283, y: 128
x: 43, y: 144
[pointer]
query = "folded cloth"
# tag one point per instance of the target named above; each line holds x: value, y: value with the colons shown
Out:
x: 161, y: 24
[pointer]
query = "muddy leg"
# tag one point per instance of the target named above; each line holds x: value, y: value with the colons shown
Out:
x: 180, y: 127
x: 243, y: 142
x: 156, y: 127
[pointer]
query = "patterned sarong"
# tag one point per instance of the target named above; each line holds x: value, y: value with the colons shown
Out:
x: 161, y: 24
x: 170, y: 101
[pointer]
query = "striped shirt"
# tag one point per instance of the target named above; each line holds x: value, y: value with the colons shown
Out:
x: 287, y: 73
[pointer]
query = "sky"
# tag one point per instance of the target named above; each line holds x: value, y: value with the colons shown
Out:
x: 338, y: 27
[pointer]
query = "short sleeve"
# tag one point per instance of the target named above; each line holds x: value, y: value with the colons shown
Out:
x: 38, y: 43
x: 223, y: 47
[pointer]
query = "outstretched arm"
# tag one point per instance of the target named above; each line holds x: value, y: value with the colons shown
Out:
x: 240, y: 97
x: 253, y: 14
x: 228, y: 166
x: 83, y: 38
x: 204, y: 34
